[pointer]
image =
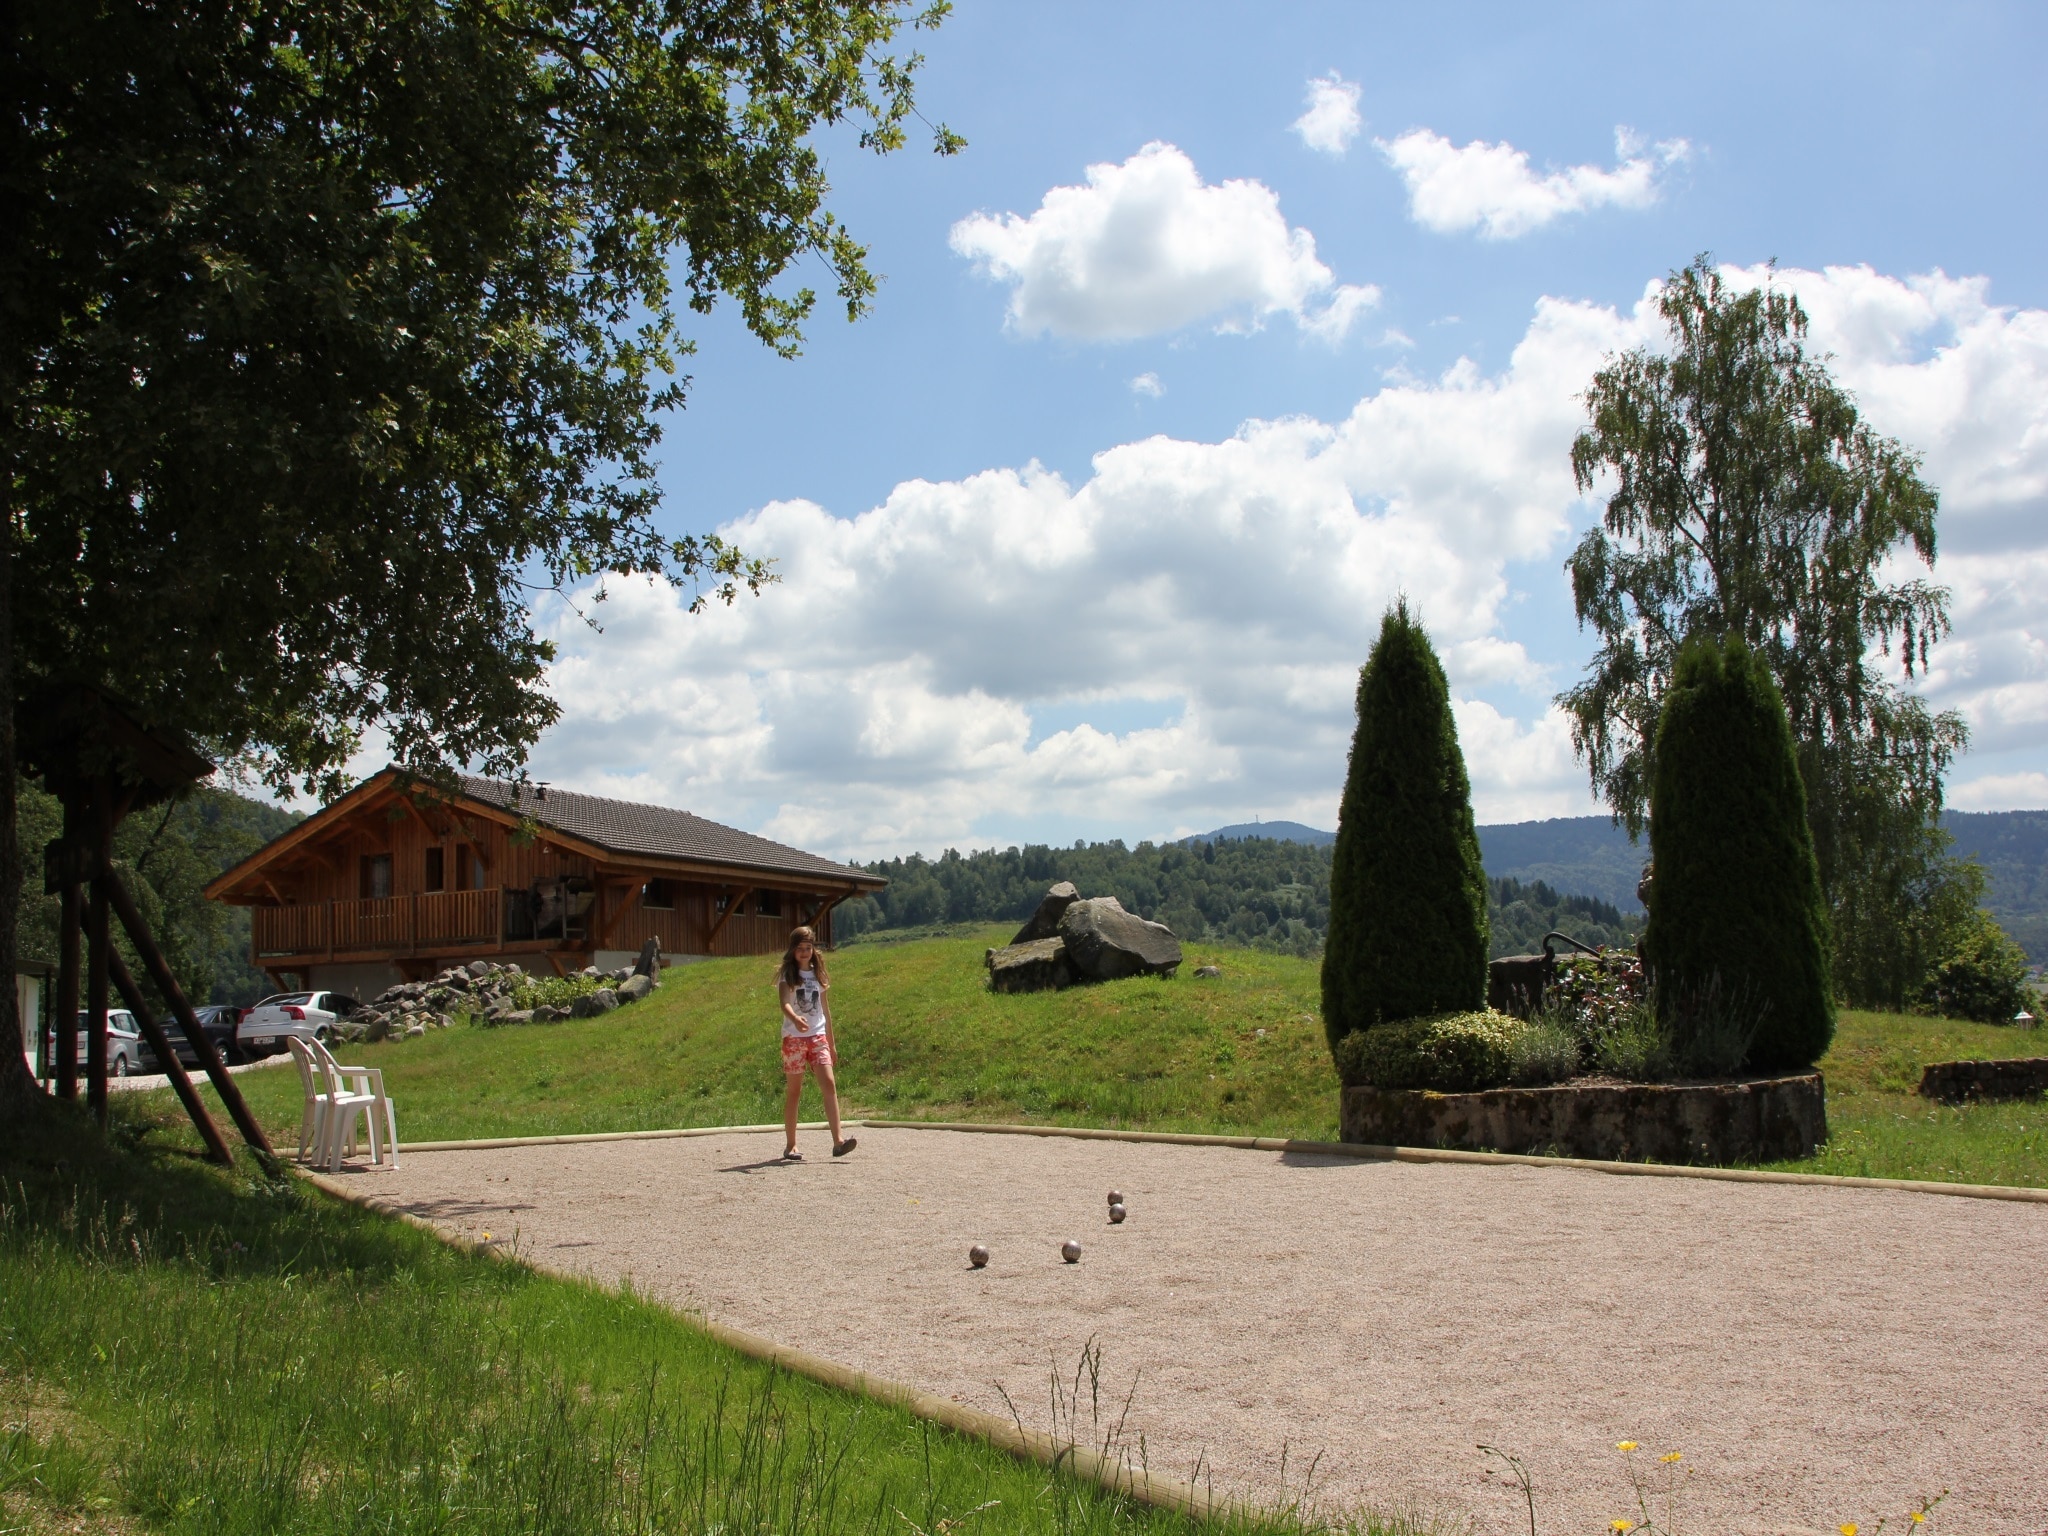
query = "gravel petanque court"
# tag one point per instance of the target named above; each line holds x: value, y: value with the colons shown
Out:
x: 1818, y: 1354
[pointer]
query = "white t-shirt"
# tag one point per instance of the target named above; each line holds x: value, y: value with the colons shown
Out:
x: 808, y: 999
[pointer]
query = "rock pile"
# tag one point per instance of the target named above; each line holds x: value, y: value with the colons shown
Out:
x: 486, y: 988
x: 1073, y: 939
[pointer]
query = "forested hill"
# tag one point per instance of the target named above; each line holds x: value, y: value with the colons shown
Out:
x: 1257, y: 891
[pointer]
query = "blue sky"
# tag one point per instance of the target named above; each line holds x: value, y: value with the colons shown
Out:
x: 1086, y: 528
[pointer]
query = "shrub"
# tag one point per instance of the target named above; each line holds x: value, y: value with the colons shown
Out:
x: 1736, y: 905
x: 1452, y: 1052
x: 556, y: 991
x: 1547, y: 1051
x: 1408, y: 927
x: 1983, y: 976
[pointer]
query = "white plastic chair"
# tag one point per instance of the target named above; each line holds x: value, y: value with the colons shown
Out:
x: 352, y: 1091
x: 313, y: 1081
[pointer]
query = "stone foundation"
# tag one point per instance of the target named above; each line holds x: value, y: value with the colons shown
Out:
x: 1963, y: 1082
x: 1761, y: 1120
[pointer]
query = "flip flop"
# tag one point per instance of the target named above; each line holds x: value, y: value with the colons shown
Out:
x: 841, y: 1148
x: 793, y: 1156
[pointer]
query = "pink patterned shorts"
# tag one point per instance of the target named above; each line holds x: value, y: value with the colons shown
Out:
x: 805, y: 1051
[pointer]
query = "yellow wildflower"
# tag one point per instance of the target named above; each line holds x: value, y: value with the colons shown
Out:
x: 1848, y: 1530
x: 1630, y: 1445
x: 1672, y: 1456
x: 1622, y: 1525
x: 1918, y: 1517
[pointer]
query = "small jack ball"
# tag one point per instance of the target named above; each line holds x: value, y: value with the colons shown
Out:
x: 1116, y: 1214
x: 977, y: 1256
x: 1116, y: 1197
x: 1070, y: 1251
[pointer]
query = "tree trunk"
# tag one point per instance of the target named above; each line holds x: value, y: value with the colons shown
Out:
x: 16, y: 1085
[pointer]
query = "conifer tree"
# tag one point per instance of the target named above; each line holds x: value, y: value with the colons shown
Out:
x: 1408, y: 925
x: 1737, y: 920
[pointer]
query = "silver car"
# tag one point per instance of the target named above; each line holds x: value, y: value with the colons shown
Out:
x: 308, y: 1015
x: 124, y: 1042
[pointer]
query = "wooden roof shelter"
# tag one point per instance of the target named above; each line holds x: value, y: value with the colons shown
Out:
x: 102, y: 761
x: 399, y: 878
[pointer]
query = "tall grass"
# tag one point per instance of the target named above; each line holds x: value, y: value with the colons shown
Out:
x: 234, y: 1355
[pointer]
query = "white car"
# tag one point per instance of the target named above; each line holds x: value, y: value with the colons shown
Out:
x: 308, y: 1015
x: 124, y: 1042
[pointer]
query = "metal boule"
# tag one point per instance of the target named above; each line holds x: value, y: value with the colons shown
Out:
x: 1116, y: 1215
x: 1070, y: 1251
x: 978, y: 1256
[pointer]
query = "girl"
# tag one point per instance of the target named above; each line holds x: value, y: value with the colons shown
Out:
x: 806, y: 1039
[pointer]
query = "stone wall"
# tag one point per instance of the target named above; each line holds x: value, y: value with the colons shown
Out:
x: 1762, y: 1120
x: 1961, y: 1082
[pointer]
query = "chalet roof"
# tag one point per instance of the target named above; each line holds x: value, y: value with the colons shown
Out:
x: 628, y: 827
x: 622, y: 830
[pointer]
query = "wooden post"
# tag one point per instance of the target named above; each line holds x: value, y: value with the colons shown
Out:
x: 96, y: 970
x: 160, y: 973
x: 64, y: 1010
x: 174, y: 1069
x: 824, y: 917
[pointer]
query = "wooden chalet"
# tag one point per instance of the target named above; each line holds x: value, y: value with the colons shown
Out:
x: 396, y: 881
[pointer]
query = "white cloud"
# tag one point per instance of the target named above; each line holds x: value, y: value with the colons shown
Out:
x: 2026, y: 791
x: 889, y: 695
x: 1331, y: 121
x: 1491, y: 187
x: 1148, y: 385
x: 1147, y: 247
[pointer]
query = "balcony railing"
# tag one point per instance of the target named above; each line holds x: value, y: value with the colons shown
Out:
x: 432, y: 920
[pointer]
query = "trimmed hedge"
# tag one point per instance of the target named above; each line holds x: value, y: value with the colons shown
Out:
x: 1408, y: 924
x: 1737, y: 919
x: 1451, y: 1053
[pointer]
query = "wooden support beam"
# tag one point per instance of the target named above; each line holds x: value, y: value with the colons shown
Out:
x: 419, y: 816
x: 731, y: 907
x: 821, y: 918
x: 70, y: 920
x: 611, y: 925
x: 160, y: 973
x: 174, y: 1069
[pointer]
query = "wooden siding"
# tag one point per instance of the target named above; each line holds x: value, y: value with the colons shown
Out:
x: 320, y: 911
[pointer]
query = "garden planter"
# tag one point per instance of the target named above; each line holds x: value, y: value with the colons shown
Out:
x: 1756, y: 1120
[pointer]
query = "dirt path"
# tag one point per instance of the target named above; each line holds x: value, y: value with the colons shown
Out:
x: 1819, y: 1355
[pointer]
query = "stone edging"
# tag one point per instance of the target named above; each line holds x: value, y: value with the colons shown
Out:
x: 1283, y: 1144
x: 1434, y: 1155
x: 1004, y: 1434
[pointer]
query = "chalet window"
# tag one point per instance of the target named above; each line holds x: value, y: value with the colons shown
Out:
x: 437, y: 870
x: 374, y: 879
x: 469, y: 868
x: 720, y: 902
x: 768, y: 903
x: 658, y: 895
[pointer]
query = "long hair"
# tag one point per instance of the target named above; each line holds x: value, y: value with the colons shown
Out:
x: 787, y: 975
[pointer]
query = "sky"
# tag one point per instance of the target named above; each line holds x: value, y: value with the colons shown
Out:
x: 1233, y: 323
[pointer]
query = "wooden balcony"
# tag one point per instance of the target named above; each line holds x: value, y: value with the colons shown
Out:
x: 396, y: 925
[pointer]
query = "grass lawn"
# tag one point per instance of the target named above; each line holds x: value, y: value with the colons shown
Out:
x: 190, y: 1349
x: 921, y: 1038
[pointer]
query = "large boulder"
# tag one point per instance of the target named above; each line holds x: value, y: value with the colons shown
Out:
x: 635, y: 987
x: 1104, y: 942
x: 1045, y: 922
x: 649, y: 963
x: 591, y: 1004
x: 1037, y: 966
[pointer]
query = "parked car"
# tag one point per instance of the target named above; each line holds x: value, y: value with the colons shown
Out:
x: 308, y: 1015
x: 124, y: 1042
x: 216, y: 1020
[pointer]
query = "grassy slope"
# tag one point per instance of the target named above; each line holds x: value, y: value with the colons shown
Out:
x: 921, y: 1038
x: 203, y: 1351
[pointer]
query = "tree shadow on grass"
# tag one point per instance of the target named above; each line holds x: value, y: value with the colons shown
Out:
x: 136, y: 1190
